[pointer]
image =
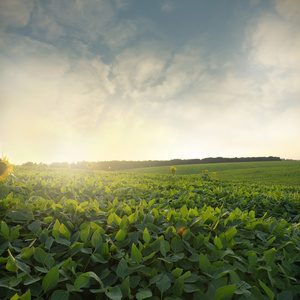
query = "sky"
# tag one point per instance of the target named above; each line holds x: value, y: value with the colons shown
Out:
x: 101, y: 80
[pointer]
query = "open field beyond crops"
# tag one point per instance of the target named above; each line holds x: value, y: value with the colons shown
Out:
x: 276, y: 172
x: 74, y: 234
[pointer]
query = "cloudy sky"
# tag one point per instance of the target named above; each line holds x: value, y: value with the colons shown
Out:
x: 149, y: 79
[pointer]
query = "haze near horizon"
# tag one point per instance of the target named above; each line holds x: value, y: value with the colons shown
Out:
x: 149, y: 80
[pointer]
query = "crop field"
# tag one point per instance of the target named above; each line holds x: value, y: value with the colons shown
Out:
x: 74, y: 234
x: 276, y: 172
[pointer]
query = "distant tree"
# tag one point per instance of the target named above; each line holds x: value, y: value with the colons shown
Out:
x: 29, y: 164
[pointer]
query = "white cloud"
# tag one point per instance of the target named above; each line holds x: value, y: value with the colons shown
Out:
x: 136, y: 69
x: 151, y: 72
x: 275, y: 43
x: 290, y: 9
x: 120, y: 34
x: 15, y: 13
x: 83, y: 20
x: 152, y: 100
x: 36, y: 76
x: 167, y: 6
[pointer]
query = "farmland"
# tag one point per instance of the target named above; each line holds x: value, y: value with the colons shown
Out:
x: 71, y: 234
x: 278, y: 172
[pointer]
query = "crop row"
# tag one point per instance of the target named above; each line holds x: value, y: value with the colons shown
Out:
x: 121, y: 236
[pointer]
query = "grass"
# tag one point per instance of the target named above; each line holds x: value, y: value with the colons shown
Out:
x: 278, y: 172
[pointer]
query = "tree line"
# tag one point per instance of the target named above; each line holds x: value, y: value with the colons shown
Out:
x: 117, y: 165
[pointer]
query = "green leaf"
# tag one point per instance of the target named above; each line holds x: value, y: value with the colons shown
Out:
x: 76, y: 247
x: 234, y: 277
x: 51, y: 279
x: 270, y: 241
x: 204, y: 263
x: 22, y: 266
x: 122, y: 269
x: 143, y: 294
x: 84, y: 234
x: 252, y: 258
x: 225, y: 291
x: 177, y: 272
x: 82, y: 281
x: 151, y: 202
x: 164, y: 283
x: 49, y: 242
x: 125, y: 287
x: 114, y: 294
x: 64, y: 232
x: 26, y: 296
x: 178, y: 287
x: 114, y: 218
x: 177, y: 244
x: 55, y: 229
x: 62, y: 241
x: 48, y: 220
x: 125, y: 222
x: 96, y: 277
x: 40, y: 255
x: 286, y: 295
x: 206, y: 214
x: 49, y: 260
x: 14, y: 234
x: 218, y: 242
x: 15, y: 297
x: 146, y: 235
x: 105, y: 249
x: 35, y: 226
x: 190, y: 288
x: 270, y: 255
x: 4, y: 229
x: 127, y: 210
x: 60, y: 295
x: 136, y: 255
x: 30, y: 280
x: 121, y: 234
x: 266, y: 289
x: 230, y: 233
x: 184, y: 210
x: 164, y: 247
x: 97, y: 239
x: 11, y: 263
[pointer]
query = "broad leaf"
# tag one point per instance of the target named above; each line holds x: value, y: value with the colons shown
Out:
x: 51, y: 279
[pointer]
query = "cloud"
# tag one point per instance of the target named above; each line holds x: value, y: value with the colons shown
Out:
x: 274, y: 43
x: 84, y: 20
x: 15, y: 13
x: 289, y: 9
x: 136, y: 69
x: 38, y: 76
x: 151, y: 72
x: 93, y: 84
x: 167, y: 6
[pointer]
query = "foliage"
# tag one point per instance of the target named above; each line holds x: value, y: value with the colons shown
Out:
x: 208, y: 176
x: 5, y: 168
x: 173, y: 170
x: 69, y: 234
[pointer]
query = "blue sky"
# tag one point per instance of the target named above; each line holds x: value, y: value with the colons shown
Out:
x: 140, y: 80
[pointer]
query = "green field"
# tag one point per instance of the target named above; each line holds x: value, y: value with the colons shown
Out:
x: 278, y: 172
x: 75, y: 234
